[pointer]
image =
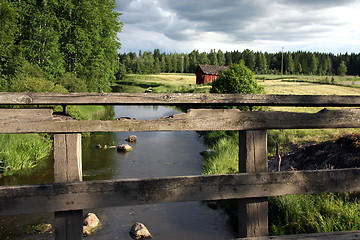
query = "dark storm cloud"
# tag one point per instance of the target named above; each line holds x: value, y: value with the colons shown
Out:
x: 217, y: 15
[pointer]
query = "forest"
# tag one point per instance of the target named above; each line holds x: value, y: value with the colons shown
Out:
x: 300, y: 62
x: 58, y: 45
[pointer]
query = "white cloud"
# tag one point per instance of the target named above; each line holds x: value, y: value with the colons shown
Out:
x: 264, y: 25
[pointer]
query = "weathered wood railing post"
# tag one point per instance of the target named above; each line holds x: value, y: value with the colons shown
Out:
x: 253, y: 212
x: 68, y: 168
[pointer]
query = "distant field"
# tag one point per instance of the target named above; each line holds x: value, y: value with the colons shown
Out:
x: 164, y: 78
x: 272, y: 83
x: 160, y: 83
x: 306, y: 88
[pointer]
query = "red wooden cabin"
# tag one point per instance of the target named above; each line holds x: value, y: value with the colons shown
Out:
x: 208, y: 73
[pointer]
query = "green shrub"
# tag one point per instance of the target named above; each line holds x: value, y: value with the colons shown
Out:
x: 34, y: 84
x: 72, y: 83
x: 237, y: 79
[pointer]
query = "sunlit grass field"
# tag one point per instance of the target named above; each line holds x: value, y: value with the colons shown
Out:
x: 165, y: 78
x: 306, y: 88
x: 272, y: 83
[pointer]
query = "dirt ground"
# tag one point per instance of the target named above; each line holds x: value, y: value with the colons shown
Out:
x: 341, y: 153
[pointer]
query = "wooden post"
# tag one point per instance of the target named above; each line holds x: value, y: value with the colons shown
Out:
x: 253, y: 212
x: 68, y: 168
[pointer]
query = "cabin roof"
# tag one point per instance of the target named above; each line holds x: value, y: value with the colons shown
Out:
x: 212, y: 69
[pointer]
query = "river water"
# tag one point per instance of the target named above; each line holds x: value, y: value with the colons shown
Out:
x: 155, y: 154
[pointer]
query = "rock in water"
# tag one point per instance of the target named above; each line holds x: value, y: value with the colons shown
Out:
x: 91, y: 224
x: 124, y: 148
x: 139, y: 231
x: 131, y: 138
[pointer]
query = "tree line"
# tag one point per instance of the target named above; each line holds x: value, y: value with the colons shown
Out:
x: 58, y: 45
x: 300, y: 62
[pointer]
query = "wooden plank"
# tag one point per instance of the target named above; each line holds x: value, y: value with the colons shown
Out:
x: 195, y: 119
x: 177, y: 99
x: 253, y: 212
x: 69, y: 225
x: 26, y: 115
x: 345, y: 235
x: 68, y: 168
x: 67, y: 157
x: 101, y: 194
x: 253, y: 151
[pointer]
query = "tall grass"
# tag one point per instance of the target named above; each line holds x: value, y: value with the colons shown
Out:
x: 223, y: 157
x: 22, y: 151
x: 314, y: 213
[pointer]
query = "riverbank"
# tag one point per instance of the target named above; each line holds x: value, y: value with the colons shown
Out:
x: 20, y: 152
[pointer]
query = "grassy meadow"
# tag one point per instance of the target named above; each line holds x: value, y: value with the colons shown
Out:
x: 293, y: 85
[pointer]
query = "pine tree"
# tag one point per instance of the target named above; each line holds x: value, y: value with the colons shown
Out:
x: 213, y: 60
x: 260, y: 63
x: 221, y: 57
x: 342, y: 69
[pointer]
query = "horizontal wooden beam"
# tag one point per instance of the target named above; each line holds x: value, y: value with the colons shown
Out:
x: 176, y: 99
x: 101, y: 194
x: 25, y: 115
x: 193, y: 120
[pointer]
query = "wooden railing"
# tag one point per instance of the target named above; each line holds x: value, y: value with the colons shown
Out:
x: 68, y: 196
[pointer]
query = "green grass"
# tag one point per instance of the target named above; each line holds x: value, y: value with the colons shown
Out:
x: 314, y: 213
x: 23, y: 151
x: 222, y: 159
x: 88, y: 112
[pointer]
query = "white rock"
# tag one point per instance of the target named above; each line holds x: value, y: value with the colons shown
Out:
x: 132, y: 138
x: 124, y: 148
x: 139, y: 231
x: 91, y: 224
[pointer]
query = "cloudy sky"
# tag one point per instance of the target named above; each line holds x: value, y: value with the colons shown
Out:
x: 260, y: 25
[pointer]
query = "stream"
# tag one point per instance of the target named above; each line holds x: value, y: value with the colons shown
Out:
x: 155, y: 154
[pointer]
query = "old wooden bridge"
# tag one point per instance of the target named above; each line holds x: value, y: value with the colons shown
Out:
x: 68, y: 196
